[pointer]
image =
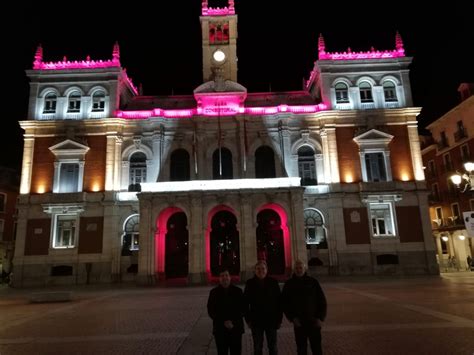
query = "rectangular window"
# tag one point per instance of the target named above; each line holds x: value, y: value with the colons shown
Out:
x: 448, y: 165
x: 69, y: 177
x: 435, y: 192
x: 432, y: 168
x: 381, y: 215
x: 456, y: 218
x: 375, y: 166
x: 439, y: 213
x: 137, y: 175
x: 65, y: 231
x: 460, y: 133
x: 307, y: 172
x: 2, y: 226
x: 3, y: 202
x: 465, y: 154
x: 444, y: 140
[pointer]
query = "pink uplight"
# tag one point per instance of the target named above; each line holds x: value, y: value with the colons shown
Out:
x: 81, y: 64
x: 397, y: 53
x: 223, y: 109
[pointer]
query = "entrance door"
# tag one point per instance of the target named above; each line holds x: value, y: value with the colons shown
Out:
x: 270, y: 245
x: 225, y: 251
x: 176, y: 246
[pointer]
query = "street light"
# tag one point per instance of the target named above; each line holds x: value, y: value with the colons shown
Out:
x: 469, y: 177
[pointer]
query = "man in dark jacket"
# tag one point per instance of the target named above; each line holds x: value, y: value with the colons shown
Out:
x: 264, y: 314
x: 226, y: 306
x: 305, y: 306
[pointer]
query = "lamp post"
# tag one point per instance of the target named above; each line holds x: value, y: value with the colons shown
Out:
x: 458, y: 178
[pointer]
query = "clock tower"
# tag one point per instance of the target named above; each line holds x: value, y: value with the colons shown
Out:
x: 219, y: 41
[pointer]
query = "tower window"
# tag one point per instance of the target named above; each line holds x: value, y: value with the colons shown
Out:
x: 98, y: 102
x: 341, y: 93
x: 74, y: 102
x: 365, y: 92
x: 50, y: 101
x: 389, y: 91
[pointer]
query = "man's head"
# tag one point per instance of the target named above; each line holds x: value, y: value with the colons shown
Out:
x: 300, y: 268
x: 224, y: 278
x: 261, y: 269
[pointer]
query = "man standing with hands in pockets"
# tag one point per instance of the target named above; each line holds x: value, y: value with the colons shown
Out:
x: 305, y: 306
x: 264, y: 314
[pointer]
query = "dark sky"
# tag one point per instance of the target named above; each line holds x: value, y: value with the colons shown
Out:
x: 160, y: 45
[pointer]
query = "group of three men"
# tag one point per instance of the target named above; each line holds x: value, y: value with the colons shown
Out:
x: 262, y: 304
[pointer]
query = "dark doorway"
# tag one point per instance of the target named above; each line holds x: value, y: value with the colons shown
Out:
x: 270, y: 245
x: 264, y: 163
x: 176, y: 246
x: 179, y: 166
x: 225, y: 251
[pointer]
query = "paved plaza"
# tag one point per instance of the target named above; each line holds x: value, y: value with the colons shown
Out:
x: 431, y: 315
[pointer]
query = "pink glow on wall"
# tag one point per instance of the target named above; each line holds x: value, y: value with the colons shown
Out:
x: 372, y: 54
x: 160, y: 239
x: 210, y: 11
x: 284, y: 226
x: 229, y: 110
x: 81, y: 64
x: 219, y: 105
x: 211, y: 215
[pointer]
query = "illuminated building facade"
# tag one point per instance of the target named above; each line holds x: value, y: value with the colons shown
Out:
x: 121, y: 186
x: 451, y: 146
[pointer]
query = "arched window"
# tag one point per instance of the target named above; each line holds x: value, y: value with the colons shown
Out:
x: 342, y: 95
x: 179, y: 166
x: 315, y: 232
x: 137, y: 170
x: 306, y: 166
x: 222, y: 164
x: 74, y: 102
x: 131, y: 232
x: 264, y: 163
x: 389, y: 91
x: 50, y: 101
x: 365, y: 90
x: 98, y: 101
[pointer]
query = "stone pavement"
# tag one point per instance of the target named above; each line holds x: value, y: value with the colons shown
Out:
x: 365, y: 316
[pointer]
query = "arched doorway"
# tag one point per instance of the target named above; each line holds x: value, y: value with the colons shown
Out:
x: 130, y: 243
x: 270, y: 243
x: 224, y: 243
x: 176, y: 246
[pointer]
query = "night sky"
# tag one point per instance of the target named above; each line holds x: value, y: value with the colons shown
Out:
x: 160, y: 46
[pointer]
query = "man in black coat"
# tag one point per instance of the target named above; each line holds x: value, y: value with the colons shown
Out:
x: 226, y: 306
x: 264, y: 314
x: 305, y: 306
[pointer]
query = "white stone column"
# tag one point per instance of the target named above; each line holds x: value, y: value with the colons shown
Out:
x: 379, y: 98
x: 248, y: 237
x: 146, y: 254
x: 27, y: 165
x: 154, y: 173
x: 118, y: 163
x: 333, y: 156
x: 125, y: 180
x: 415, y: 152
x: 326, y: 157
x: 109, y: 163
x: 296, y: 228
x: 319, y: 167
x: 287, y: 162
x: 197, y: 243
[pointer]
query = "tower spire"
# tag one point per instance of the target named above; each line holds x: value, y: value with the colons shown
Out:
x: 321, y: 45
x: 399, y: 43
x: 116, y: 52
x: 38, y: 57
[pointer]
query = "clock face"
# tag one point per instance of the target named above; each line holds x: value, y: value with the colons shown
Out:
x: 219, y: 56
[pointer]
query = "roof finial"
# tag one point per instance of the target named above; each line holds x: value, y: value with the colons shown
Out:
x: 231, y: 4
x: 38, y: 57
x: 116, y: 52
x: 321, y: 44
x: 399, y: 43
x: 204, y: 4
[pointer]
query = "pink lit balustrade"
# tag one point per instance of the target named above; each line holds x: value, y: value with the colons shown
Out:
x: 220, y: 111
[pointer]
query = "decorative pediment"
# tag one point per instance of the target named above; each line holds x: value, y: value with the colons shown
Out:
x: 373, y: 137
x: 69, y: 149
